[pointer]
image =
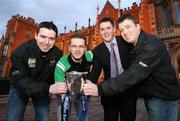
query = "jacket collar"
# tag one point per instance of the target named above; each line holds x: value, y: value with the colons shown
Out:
x: 140, y: 40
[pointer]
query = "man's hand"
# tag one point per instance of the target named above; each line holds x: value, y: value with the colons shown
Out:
x: 90, y: 89
x: 58, y: 88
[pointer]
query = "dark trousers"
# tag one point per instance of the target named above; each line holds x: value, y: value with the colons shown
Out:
x: 123, y: 106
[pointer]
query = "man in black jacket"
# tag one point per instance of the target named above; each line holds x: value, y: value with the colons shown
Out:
x: 150, y: 71
x: 116, y: 104
x: 33, y: 65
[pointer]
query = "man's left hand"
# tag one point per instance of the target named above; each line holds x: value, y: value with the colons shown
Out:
x: 58, y: 88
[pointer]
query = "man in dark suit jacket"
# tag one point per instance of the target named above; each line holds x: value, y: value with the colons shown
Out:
x: 124, y: 103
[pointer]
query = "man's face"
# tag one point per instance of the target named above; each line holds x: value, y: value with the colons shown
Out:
x: 129, y: 31
x: 106, y: 31
x: 45, y: 39
x: 77, y: 48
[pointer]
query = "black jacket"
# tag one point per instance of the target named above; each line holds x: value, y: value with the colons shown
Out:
x: 84, y: 66
x: 32, y: 70
x: 101, y: 61
x: 150, y: 71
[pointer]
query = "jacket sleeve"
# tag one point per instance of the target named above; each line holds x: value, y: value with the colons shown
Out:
x: 145, y: 62
x: 96, y: 70
x: 89, y: 56
x: 61, y: 67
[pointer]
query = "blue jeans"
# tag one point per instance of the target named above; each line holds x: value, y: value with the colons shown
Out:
x: 80, y: 114
x: 161, y: 110
x: 18, y: 101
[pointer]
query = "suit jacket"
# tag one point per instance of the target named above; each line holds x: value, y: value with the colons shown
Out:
x: 101, y: 60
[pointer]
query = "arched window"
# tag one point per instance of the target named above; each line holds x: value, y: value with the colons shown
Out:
x: 167, y: 13
x: 176, y: 7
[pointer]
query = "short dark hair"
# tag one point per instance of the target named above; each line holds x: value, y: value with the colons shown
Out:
x: 107, y: 19
x: 127, y: 16
x: 79, y: 36
x: 49, y: 25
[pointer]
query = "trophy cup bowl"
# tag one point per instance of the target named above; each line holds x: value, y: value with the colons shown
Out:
x: 73, y: 80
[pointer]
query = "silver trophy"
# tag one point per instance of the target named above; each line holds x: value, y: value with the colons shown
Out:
x: 74, y: 80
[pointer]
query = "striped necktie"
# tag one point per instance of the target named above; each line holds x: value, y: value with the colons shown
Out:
x: 113, y: 62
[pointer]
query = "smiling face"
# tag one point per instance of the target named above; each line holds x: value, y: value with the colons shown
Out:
x: 45, y: 39
x: 107, y: 31
x: 77, y: 48
x: 129, y: 31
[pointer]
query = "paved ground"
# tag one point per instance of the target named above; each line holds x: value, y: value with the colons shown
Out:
x: 95, y: 112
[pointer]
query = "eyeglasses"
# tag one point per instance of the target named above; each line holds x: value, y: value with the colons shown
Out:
x: 125, y: 28
x: 80, y: 46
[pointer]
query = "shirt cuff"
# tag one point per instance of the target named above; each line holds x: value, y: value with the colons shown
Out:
x: 100, y: 89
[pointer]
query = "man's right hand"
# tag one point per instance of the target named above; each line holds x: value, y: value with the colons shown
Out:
x: 90, y: 89
x: 58, y: 88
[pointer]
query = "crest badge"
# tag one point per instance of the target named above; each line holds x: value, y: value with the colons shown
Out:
x: 32, y: 62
